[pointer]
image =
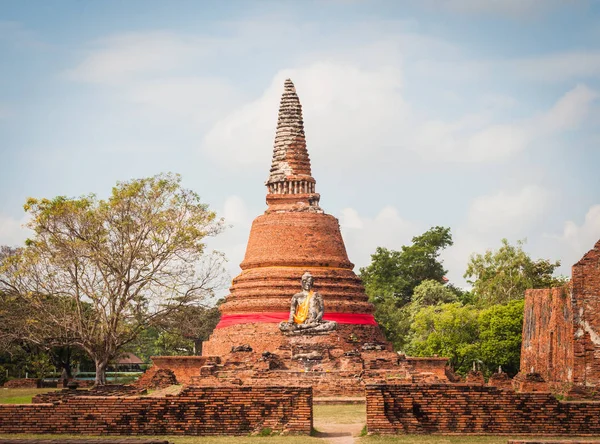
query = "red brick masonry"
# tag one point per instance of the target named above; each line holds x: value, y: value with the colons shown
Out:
x: 82, y: 441
x: 196, y: 411
x: 561, y: 331
x: 562, y: 441
x: 464, y: 409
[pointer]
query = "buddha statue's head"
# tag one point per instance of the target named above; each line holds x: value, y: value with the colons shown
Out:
x: 307, y: 281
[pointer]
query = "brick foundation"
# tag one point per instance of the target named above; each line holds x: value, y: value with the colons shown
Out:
x: 195, y: 411
x: 22, y: 383
x: 562, y: 441
x: 335, y: 374
x: 80, y: 441
x: 475, y: 409
x: 184, y: 368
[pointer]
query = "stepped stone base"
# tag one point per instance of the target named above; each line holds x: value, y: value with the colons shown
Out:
x: 330, y: 371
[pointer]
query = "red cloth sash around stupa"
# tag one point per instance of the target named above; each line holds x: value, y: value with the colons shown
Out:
x: 276, y: 317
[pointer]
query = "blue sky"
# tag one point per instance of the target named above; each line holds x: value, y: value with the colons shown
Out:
x: 482, y: 116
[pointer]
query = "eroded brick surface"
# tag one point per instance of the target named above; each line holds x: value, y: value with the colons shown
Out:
x: 333, y: 373
x: 561, y: 330
x: 466, y: 409
x: 82, y: 441
x: 195, y: 411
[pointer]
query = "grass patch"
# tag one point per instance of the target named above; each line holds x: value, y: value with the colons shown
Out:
x: 265, y: 431
x: 364, y: 431
x: 339, y: 414
x: 20, y: 396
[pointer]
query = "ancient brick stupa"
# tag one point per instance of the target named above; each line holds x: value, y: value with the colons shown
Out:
x: 327, y: 337
x: 292, y: 237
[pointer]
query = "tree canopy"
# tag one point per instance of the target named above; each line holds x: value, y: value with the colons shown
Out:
x: 503, y: 275
x: 96, y: 272
x: 397, y: 273
x: 423, y: 315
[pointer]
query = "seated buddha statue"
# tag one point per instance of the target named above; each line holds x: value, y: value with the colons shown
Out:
x: 306, y: 311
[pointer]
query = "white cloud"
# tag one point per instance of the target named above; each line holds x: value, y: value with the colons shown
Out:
x: 121, y: 57
x: 348, y: 108
x: 506, y: 214
x: 232, y: 242
x: 345, y: 109
x: 350, y: 219
x: 478, y: 140
x: 12, y: 231
x: 559, y: 66
x: 576, y: 240
x: 568, y: 112
x: 498, y: 101
x: 197, y: 99
x: 235, y: 211
x: 362, y: 235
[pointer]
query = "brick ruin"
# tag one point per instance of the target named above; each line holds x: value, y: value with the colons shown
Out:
x: 252, y: 376
x: 195, y: 411
x: 292, y: 237
x: 561, y: 332
x: 475, y: 409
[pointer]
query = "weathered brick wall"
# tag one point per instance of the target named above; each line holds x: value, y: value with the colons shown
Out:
x: 561, y: 441
x: 102, y: 391
x: 561, y: 329
x: 196, y: 411
x: 22, y: 383
x: 184, y: 368
x: 462, y: 408
x: 585, y: 282
x: 547, y: 346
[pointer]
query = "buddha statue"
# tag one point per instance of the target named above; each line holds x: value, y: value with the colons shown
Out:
x: 306, y: 311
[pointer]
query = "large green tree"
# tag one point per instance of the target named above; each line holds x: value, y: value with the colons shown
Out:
x: 450, y: 330
x: 391, y: 278
x: 503, y: 275
x: 109, y: 268
x: 397, y: 273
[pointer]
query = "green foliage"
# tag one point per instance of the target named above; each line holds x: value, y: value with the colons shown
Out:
x: 393, y: 320
x: 465, y: 333
x: 364, y: 431
x: 179, y: 333
x: 449, y: 330
x: 106, y: 269
x: 397, y: 273
x: 265, y: 431
x: 504, y: 275
x: 396, y: 321
x: 172, y: 343
x: 40, y: 365
x: 430, y: 292
x: 3, y: 377
x: 392, y: 277
x: 500, y: 328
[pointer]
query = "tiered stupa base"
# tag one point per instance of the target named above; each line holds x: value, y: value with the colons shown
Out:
x: 332, y: 374
x: 266, y: 337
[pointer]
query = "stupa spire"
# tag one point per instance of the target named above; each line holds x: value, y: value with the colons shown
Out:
x: 291, y: 186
